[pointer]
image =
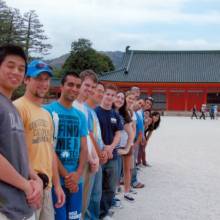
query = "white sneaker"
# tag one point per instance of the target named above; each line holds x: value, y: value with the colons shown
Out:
x: 133, y: 191
x: 128, y: 197
x: 117, y: 205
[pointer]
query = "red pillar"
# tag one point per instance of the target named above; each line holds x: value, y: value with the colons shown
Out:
x: 186, y: 100
x: 205, y: 96
x: 167, y: 99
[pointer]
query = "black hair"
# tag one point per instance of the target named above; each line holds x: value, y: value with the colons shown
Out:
x: 69, y: 73
x: 11, y: 49
x: 155, y: 125
x: 150, y: 99
x: 123, y: 111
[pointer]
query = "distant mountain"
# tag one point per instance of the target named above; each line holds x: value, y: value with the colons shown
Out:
x: 115, y: 56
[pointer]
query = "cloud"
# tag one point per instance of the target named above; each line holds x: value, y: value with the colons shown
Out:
x: 111, y: 25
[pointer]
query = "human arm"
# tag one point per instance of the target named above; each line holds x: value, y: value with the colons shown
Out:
x: 115, y: 142
x: 73, y: 177
x: 93, y: 161
x: 56, y: 182
x: 63, y: 172
x: 148, y: 135
x: 35, y: 199
x: 129, y: 130
x: 10, y: 176
x: 103, y: 157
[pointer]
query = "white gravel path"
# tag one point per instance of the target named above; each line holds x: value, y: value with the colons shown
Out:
x: 184, y: 180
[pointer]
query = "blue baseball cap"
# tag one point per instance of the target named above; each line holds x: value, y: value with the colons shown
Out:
x: 36, y: 67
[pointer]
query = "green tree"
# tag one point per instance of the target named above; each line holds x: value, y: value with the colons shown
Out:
x: 14, y: 27
x: 83, y: 56
x: 33, y: 35
x: 80, y: 45
x: 4, y: 11
x: 26, y: 30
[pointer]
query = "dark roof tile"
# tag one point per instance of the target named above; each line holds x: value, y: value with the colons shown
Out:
x: 167, y: 66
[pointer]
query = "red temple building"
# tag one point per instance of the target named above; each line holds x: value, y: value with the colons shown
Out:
x: 176, y: 80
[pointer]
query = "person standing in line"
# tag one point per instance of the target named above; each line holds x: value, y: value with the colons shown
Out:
x: 95, y: 191
x: 38, y: 127
x: 111, y: 126
x: 153, y: 124
x: 126, y: 142
x: 89, y: 82
x: 136, y: 91
x: 142, y: 149
x: 71, y: 146
x: 20, y: 187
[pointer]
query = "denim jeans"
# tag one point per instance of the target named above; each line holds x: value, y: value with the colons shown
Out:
x: 134, y: 180
x: 72, y: 207
x: 94, y: 196
x: 120, y: 169
x: 109, y: 182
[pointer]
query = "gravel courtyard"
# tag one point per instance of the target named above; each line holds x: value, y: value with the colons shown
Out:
x: 184, y: 180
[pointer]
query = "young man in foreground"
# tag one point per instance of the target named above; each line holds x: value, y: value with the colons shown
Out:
x: 20, y: 188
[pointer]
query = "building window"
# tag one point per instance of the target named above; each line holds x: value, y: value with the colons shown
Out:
x: 213, y: 98
x: 159, y: 101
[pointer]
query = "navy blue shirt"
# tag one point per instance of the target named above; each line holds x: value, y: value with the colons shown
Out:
x: 110, y: 123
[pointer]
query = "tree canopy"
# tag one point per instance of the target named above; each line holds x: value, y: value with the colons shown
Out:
x: 24, y: 30
x: 83, y: 56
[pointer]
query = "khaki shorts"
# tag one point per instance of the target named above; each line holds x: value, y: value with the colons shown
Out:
x: 46, y: 212
x: 3, y: 217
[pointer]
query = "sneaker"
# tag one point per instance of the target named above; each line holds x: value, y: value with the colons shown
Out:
x: 128, y: 197
x: 116, y: 203
x: 133, y: 191
x: 146, y: 164
x: 116, y: 199
x: 138, y: 185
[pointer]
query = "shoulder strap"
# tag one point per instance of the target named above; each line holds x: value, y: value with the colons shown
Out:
x: 55, y: 118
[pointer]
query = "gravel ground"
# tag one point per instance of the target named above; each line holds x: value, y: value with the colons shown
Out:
x: 184, y: 180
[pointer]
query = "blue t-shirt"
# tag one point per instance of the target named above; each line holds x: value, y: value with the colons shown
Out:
x: 69, y: 125
x: 110, y: 123
x: 94, y: 126
x: 139, y: 125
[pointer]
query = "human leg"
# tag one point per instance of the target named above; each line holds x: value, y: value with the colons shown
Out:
x: 109, y: 180
x: 46, y: 211
x: 93, y: 210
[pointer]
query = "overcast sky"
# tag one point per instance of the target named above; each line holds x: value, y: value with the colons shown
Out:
x: 114, y: 24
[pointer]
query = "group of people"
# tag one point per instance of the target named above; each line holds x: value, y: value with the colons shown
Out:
x: 65, y: 159
x: 213, y: 112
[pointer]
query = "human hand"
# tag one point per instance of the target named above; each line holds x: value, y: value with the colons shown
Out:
x: 60, y: 195
x: 103, y: 158
x: 94, y: 165
x: 109, y: 149
x: 71, y: 181
x: 34, y: 199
